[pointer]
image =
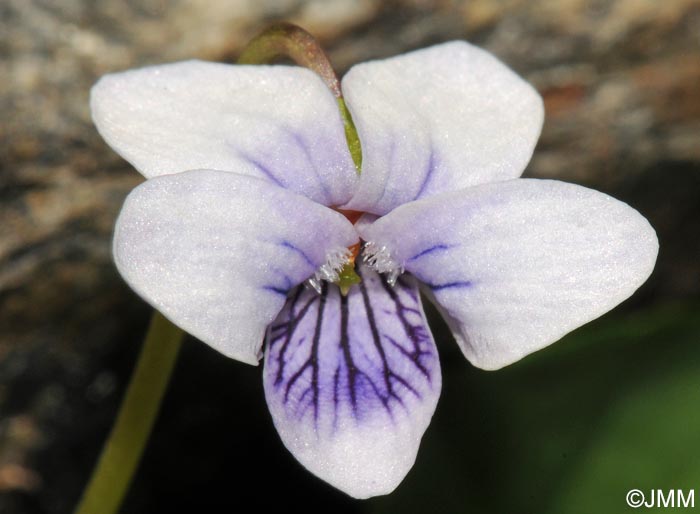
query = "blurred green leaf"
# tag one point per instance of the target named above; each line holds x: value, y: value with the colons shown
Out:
x: 570, y: 429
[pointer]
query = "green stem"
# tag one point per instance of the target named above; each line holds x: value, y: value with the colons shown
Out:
x: 288, y: 40
x: 124, y: 447
x: 351, y: 136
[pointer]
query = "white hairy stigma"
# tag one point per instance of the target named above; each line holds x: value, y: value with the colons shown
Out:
x: 335, y: 260
x: 380, y: 260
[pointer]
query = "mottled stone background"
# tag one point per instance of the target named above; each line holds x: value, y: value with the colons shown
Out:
x: 621, y: 83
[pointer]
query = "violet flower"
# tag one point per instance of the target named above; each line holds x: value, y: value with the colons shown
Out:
x: 252, y: 192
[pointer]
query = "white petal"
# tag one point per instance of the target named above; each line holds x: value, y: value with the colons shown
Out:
x: 516, y: 265
x: 436, y: 120
x: 216, y: 252
x: 352, y: 381
x: 280, y: 123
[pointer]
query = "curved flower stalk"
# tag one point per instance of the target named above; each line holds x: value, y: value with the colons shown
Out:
x: 252, y: 192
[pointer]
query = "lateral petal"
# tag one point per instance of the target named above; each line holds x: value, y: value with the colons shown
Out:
x: 516, y: 265
x: 217, y: 252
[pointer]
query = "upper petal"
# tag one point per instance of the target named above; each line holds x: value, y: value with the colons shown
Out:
x: 436, y: 120
x: 217, y: 252
x: 516, y: 265
x: 352, y: 381
x: 281, y: 120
